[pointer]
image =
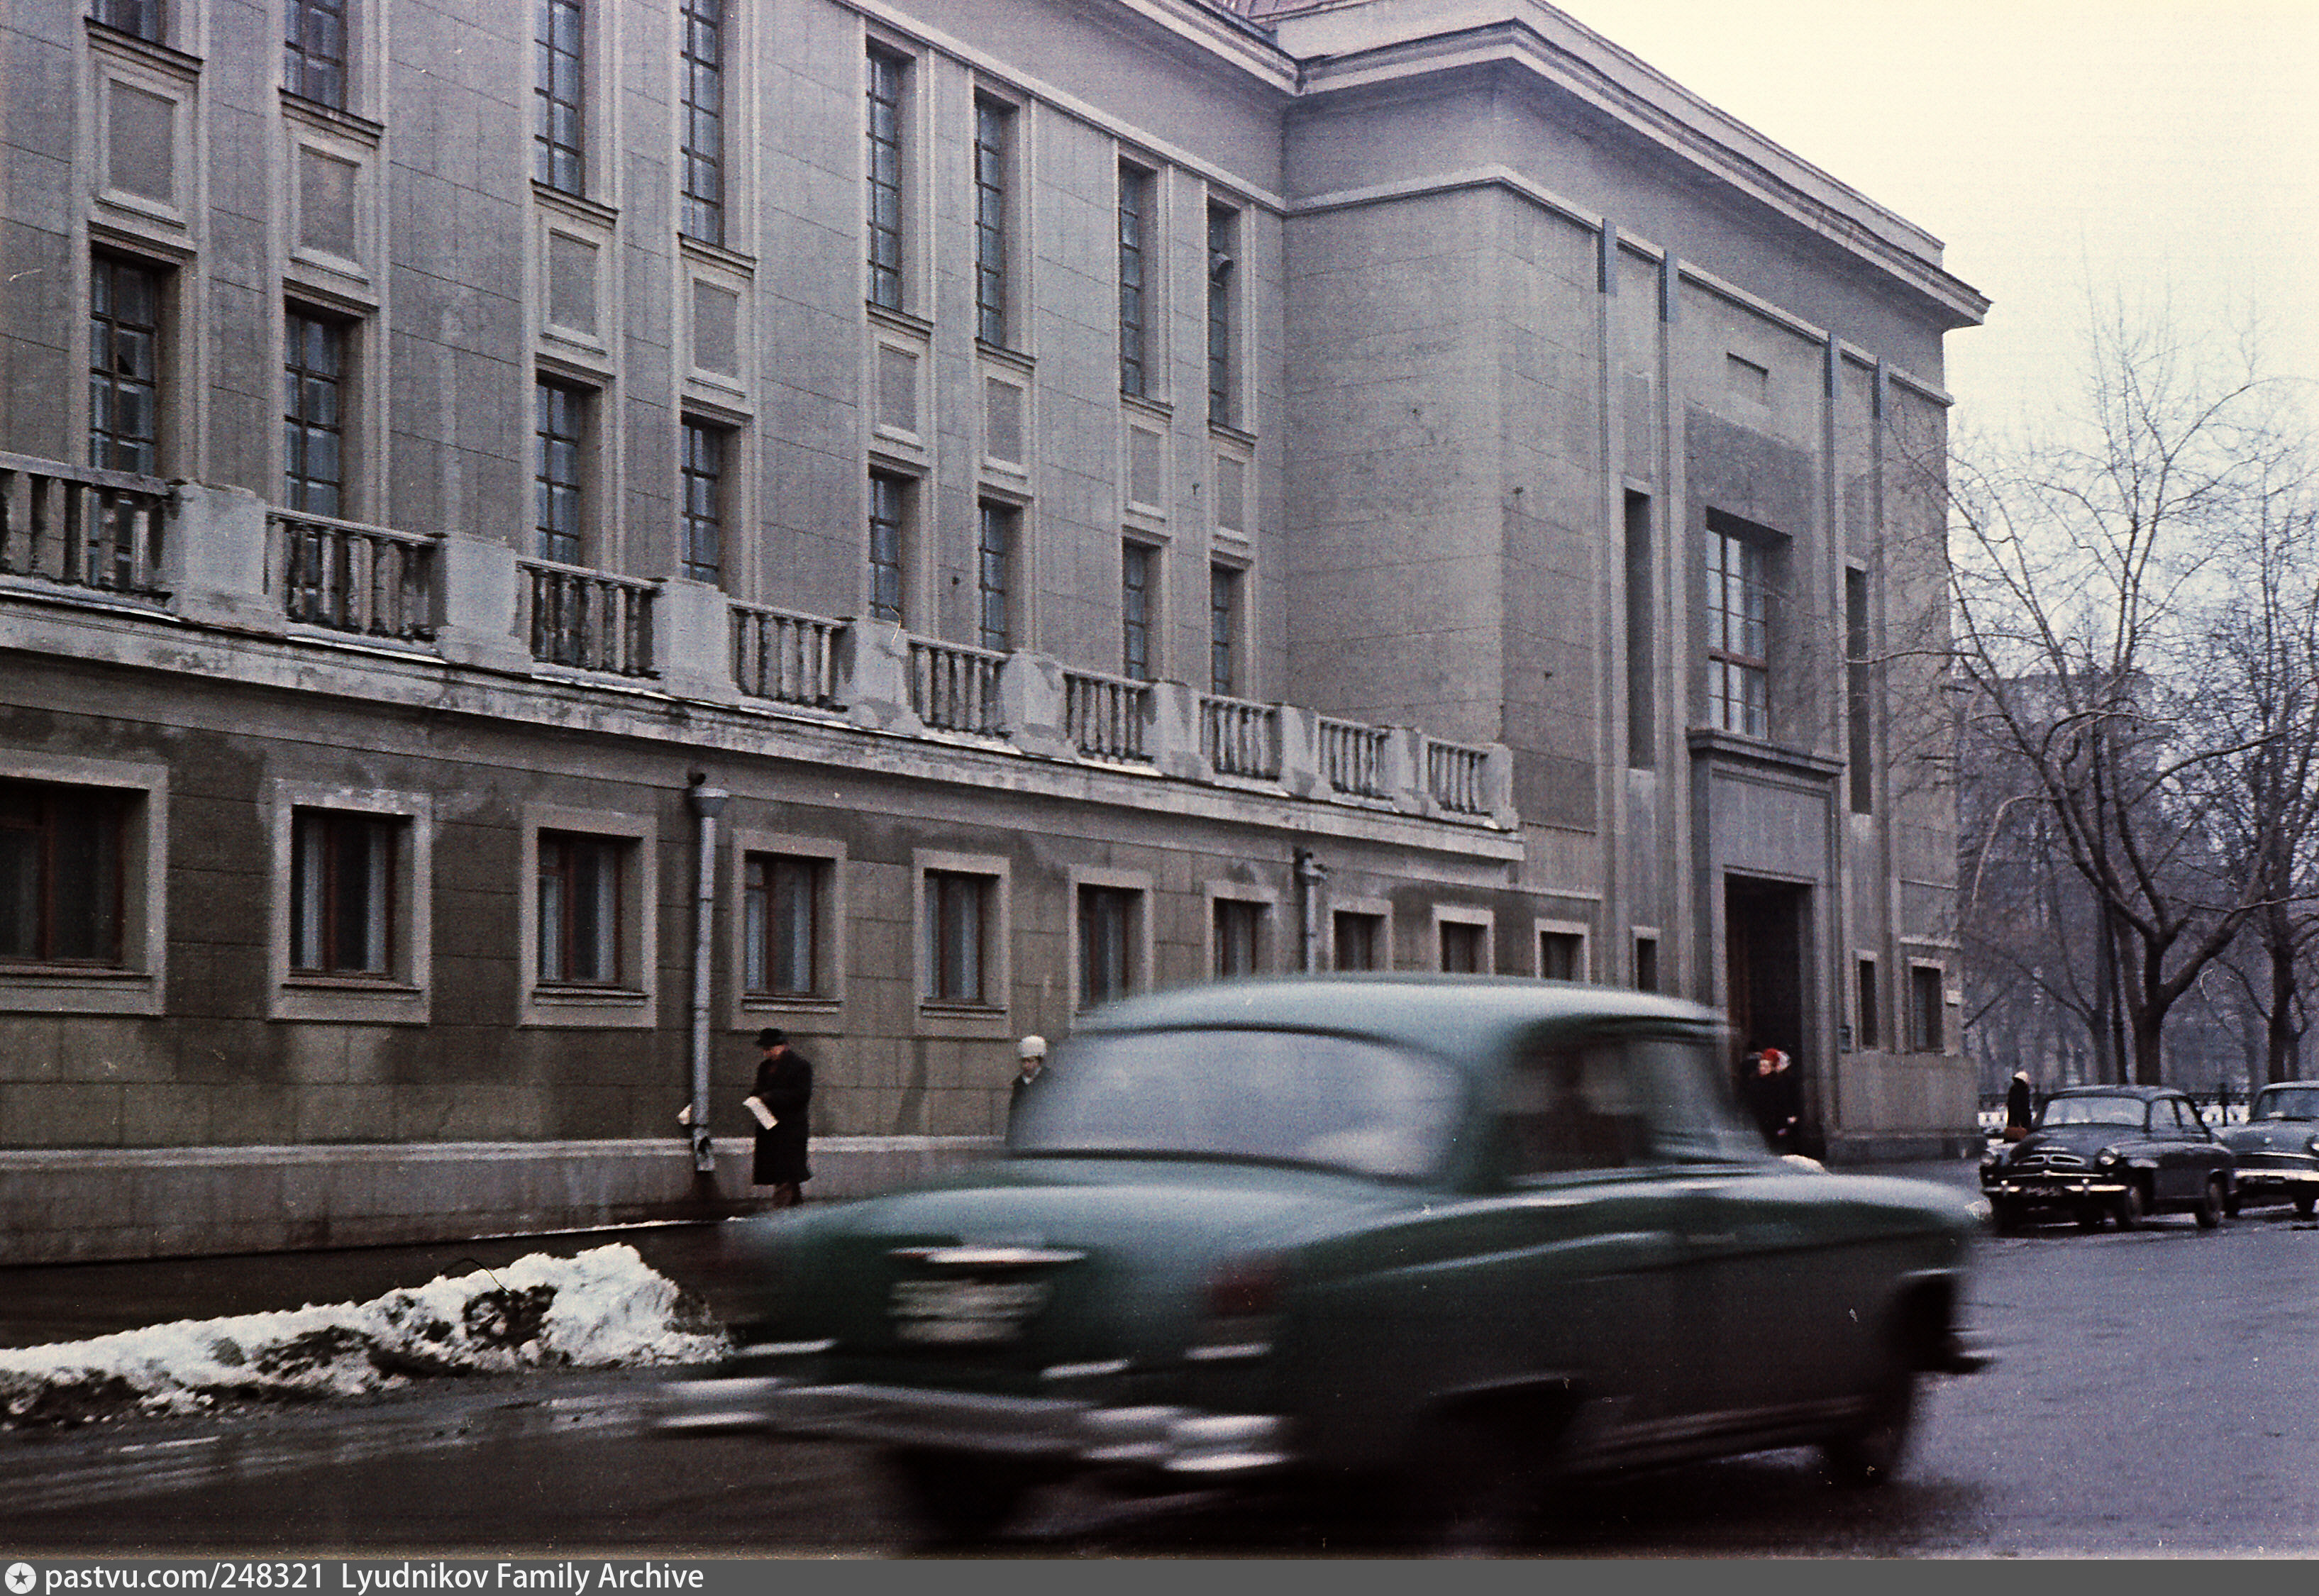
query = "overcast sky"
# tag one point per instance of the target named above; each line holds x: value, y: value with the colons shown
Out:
x: 2167, y: 149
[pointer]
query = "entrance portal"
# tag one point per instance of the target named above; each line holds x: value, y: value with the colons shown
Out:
x: 1765, y: 976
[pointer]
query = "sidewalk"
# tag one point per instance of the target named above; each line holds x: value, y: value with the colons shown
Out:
x: 41, y: 1303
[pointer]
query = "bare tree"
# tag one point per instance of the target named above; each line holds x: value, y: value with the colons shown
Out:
x: 2088, y: 572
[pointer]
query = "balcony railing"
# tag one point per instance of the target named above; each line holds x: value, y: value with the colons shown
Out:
x: 954, y: 687
x: 81, y: 527
x: 1454, y: 777
x: 352, y: 577
x: 1104, y: 716
x: 591, y: 621
x: 1241, y: 738
x: 1352, y: 757
x: 792, y: 659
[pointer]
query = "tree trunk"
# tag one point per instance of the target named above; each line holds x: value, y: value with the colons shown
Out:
x: 2278, y: 1026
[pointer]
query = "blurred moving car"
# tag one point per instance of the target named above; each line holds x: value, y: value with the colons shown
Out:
x: 1431, y: 1238
x: 2122, y: 1152
x: 2277, y: 1149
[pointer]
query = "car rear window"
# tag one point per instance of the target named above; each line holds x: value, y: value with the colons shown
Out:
x: 2290, y: 1103
x: 2094, y: 1111
x: 1285, y: 1096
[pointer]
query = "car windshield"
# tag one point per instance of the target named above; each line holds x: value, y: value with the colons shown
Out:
x: 2096, y: 1110
x: 1286, y: 1097
x: 2285, y: 1102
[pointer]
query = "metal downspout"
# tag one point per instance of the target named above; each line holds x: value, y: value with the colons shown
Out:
x: 707, y: 803
x: 1309, y: 874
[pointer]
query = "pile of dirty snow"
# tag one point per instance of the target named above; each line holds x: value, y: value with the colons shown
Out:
x: 603, y: 1309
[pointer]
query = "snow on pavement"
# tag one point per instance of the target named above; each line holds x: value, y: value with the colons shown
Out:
x: 602, y: 1309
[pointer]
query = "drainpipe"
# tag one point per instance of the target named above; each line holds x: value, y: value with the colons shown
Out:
x: 1309, y: 874
x: 707, y: 803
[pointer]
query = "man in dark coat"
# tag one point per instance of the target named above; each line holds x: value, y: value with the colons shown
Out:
x: 780, y: 1105
x: 2018, y: 1106
x: 1032, y: 1051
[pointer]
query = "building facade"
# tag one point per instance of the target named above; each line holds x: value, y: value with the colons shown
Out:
x: 534, y: 542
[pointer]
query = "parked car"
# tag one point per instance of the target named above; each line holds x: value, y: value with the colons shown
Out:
x: 2122, y: 1152
x: 1428, y: 1239
x: 2277, y: 1149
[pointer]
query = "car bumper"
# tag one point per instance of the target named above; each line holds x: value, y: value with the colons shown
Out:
x: 2053, y: 1189
x: 2277, y: 1180
x: 1182, y: 1441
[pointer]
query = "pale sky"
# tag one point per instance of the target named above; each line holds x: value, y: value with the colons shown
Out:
x: 2168, y: 149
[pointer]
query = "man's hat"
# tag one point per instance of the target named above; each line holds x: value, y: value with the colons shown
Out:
x: 1031, y: 1047
x: 772, y: 1036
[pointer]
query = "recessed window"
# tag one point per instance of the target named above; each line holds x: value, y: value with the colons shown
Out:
x: 342, y: 873
x: 1859, y: 695
x: 1108, y: 938
x: 1223, y: 631
x: 1236, y: 935
x: 784, y: 940
x: 1871, y: 1005
x: 1360, y: 940
x: 958, y: 910
x: 124, y: 359
x: 889, y: 504
x: 561, y: 420
x: 1561, y: 956
x: 994, y: 575
x: 579, y: 904
x: 885, y: 201
x: 702, y: 152
x: 1646, y: 964
x: 1464, y: 948
x: 1925, y: 1031
x: 61, y: 855
x: 1739, y: 676
x: 1223, y: 276
x: 703, y: 519
x: 994, y: 154
x: 314, y: 51
x: 1138, y: 240
x: 1137, y: 568
x: 139, y: 17
x: 313, y: 416
x: 557, y: 109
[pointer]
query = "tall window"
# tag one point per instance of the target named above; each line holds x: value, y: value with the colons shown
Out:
x: 556, y: 125
x: 1739, y: 691
x: 1136, y: 240
x: 1135, y: 568
x: 1872, y: 1006
x: 141, y: 17
x: 1360, y: 940
x: 1223, y: 630
x: 580, y: 909
x: 1238, y: 926
x: 994, y: 142
x: 704, y: 503
x: 1642, y: 636
x: 124, y: 340
x: 1107, y: 943
x: 1646, y: 964
x: 995, y: 558
x: 1859, y: 703
x: 957, y: 930
x: 1224, y: 256
x: 1561, y: 956
x: 60, y: 873
x: 888, y: 505
x: 1462, y: 948
x: 341, y: 892
x: 885, y: 180
x: 561, y: 415
x: 781, y: 924
x: 314, y: 51
x: 703, y: 153
x: 313, y: 436
x: 1925, y: 1029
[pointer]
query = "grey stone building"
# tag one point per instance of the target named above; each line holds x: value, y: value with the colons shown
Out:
x: 537, y: 540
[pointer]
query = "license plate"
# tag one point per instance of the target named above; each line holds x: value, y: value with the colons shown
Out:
x: 964, y: 1313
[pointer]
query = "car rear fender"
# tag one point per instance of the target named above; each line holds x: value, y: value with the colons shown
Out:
x: 1922, y: 1328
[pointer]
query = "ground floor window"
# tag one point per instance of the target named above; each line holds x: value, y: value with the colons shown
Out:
x: 1238, y: 930
x: 957, y: 936
x: 342, y: 870
x: 1107, y: 940
x: 1359, y: 941
x: 1925, y: 1030
x: 580, y: 908
x: 782, y: 936
x: 60, y: 872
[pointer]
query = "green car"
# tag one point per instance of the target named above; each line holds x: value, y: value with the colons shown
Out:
x: 1430, y: 1239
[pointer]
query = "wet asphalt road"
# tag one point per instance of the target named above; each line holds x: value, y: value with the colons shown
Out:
x: 2155, y: 1394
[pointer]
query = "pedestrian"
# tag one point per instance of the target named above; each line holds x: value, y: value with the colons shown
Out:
x: 1784, y: 1098
x: 1031, y: 1053
x: 2221, y: 1100
x: 2018, y: 1105
x: 781, y: 1104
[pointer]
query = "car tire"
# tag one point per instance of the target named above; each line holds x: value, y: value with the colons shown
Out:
x: 1870, y: 1452
x: 2211, y: 1202
x: 2233, y: 1203
x: 1469, y: 1487
x: 2130, y: 1207
x: 2305, y: 1204
x: 2090, y: 1217
x: 958, y: 1497
x: 2004, y: 1214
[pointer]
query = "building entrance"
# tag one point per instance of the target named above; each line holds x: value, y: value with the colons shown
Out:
x: 1764, y: 975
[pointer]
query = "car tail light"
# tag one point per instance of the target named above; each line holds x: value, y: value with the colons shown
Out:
x: 1244, y: 1288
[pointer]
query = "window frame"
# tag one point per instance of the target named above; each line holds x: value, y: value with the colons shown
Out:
x: 1141, y: 264
x: 1138, y: 976
x: 750, y: 1007
x: 1378, y: 911
x: 997, y: 294
x: 1228, y: 630
x: 106, y: 326
x: 1482, y: 924
x: 547, y: 538
x: 399, y: 995
x: 1227, y: 245
x: 702, y: 215
x: 631, y: 1006
x: 296, y: 426
x: 719, y: 490
x: 1578, y: 931
x: 1738, y: 682
x: 137, y: 985
x: 151, y: 24
x: 1927, y: 1021
x: 1236, y: 900
x: 1868, y: 1002
x: 299, y: 57
x: 887, y: 280
x: 549, y: 152
x: 1143, y: 596
x: 905, y: 488
x: 939, y: 1016
x: 1004, y: 563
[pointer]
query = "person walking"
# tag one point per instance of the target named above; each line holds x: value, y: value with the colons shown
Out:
x: 781, y: 1104
x: 1031, y: 1051
x: 2019, y: 1106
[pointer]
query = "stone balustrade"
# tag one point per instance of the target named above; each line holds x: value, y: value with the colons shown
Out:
x: 218, y: 555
